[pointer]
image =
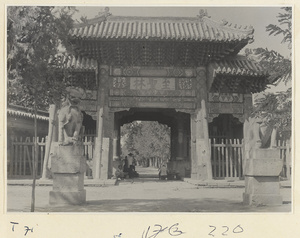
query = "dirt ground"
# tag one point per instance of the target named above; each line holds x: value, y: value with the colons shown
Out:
x: 145, y: 195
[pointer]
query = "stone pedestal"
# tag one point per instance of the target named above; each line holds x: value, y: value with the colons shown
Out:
x: 262, y: 178
x: 68, y: 166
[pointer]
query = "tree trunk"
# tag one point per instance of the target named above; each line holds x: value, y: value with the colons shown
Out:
x: 34, y: 159
x: 52, y: 112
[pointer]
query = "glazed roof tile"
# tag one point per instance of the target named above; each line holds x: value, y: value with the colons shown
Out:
x: 238, y: 65
x: 194, y: 29
x: 79, y: 63
x: 18, y: 111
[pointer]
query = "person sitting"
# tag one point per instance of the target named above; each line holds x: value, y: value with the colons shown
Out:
x: 119, y: 174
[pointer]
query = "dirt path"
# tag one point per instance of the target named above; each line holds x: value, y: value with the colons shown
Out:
x: 145, y: 195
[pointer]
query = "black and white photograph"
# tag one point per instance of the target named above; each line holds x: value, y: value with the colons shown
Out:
x: 149, y: 109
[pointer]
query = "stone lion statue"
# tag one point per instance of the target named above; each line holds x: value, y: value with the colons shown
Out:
x: 257, y: 134
x: 70, y: 118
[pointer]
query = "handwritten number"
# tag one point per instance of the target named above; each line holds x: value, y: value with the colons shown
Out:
x: 210, y: 233
x: 157, y: 229
x: 238, y: 229
x: 224, y: 233
x: 27, y: 229
x: 173, y: 230
x: 146, y: 235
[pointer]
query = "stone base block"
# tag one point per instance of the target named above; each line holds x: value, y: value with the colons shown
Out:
x: 179, y: 166
x: 262, y: 185
x: 261, y: 199
x: 263, y: 167
x: 266, y: 153
x: 68, y: 182
x: 71, y: 198
x: 68, y: 159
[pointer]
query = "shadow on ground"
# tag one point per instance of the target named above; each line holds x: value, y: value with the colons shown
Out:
x: 181, y: 205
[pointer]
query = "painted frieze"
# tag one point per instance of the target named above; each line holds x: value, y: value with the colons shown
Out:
x: 226, y: 108
x: 152, y: 102
x: 225, y: 97
x: 152, y: 72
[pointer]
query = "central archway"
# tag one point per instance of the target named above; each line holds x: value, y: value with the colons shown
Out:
x: 179, y: 124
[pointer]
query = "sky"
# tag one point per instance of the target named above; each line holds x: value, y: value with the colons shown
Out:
x: 258, y: 17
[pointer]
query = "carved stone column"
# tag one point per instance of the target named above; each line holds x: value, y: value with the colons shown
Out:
x: 102, y: 111
x: 116, y: 139
x: 194, y: 159
x: 199, y: 126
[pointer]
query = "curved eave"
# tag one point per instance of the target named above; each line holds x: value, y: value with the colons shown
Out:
x: 19, y: 114
x: 235, y: 83
x: 237, y: 74
x: 79, y: 63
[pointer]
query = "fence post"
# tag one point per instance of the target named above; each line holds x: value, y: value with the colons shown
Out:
x: 12, y: 156
x: 28, y: 155
x: 223, y: 150
x: 20, y: 155
x: 42, y: 155
x: 288, y: 160
x: 219, y: 160
x: 243, y: 158
x: 234, y: 158
x: 214, y: 154
x: 226, y: 158
x: 16, y: 157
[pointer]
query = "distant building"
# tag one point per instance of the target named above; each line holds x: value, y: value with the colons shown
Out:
x: 20, y: 122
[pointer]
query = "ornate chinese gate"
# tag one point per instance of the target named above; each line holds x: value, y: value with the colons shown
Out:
x: 182, y: 72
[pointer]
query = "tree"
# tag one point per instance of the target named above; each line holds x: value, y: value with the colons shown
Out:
x: 275, y: 107
x: 147, y: 140
x: 284, y: 19
x: 34, y: 36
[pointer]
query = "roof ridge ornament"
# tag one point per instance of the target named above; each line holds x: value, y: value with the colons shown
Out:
x: 100, y: 17
x: 224, y: 22
x: 105, y: 13
x: 203, y: 14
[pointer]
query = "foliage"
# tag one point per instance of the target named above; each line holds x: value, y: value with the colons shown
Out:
x: 147, y: 140
x: 35, y: 76
x: 275, y: 108
x: 279, y: 68
x: 34, y: 37
x: 284, y: 19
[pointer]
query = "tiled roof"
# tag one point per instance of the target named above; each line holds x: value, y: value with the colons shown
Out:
x: 18, y: 111
x: 79, y: 63
x: 237, y: 75
x: 238, y: 65
x: 190, y: 29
